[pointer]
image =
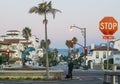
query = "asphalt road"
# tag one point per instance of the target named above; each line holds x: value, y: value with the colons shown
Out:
x: 88, y: 76
x: 53, y: 82
x: 79, y: 77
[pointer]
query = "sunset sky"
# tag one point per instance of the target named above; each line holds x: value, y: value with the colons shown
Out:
x: 82, y: 13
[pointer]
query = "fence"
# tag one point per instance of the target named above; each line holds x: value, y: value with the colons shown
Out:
x: 102, y: 66
x: 110, y: 76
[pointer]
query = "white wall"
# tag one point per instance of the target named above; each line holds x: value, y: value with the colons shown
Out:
x: 117, y: 45
x: 100, y: 59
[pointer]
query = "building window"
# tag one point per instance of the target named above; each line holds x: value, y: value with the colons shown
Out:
x: 97, y: 54
x: 117, y: 59
x: 104, y: 54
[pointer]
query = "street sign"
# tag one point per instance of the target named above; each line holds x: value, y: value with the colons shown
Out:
x: 108, y: 25
x: 110, y: 37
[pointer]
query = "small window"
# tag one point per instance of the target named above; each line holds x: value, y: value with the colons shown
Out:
x: 104, y: 54
x: 117, y: 59
x: 97, y: 54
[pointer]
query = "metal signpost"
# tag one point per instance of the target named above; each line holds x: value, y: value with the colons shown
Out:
x: 108, y: 26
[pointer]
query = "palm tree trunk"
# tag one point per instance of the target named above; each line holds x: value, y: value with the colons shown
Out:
x: 68, y: 52
x: 47, y: 63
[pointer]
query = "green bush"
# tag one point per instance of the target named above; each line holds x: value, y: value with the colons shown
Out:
x: 26, y: 68
x: 2, y: 59
x: 12, y: 61
x: 109, y: 64
x: 24, y: 78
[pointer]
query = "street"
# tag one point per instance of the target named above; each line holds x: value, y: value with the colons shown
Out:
x: 79, y: 77
x: 88, y: 76
x: 52, y: 82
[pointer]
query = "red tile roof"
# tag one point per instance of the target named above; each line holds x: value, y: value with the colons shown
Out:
x: 13, y: 31
x: 11, y: 40
x: 4, y: 43
x: 103, y: 48
x: 3, y: 50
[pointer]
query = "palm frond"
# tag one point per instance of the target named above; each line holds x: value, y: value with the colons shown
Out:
x: 49, y: 5
x: 34, y: 10
x: 42, y: 5
x: 53, y: 11
x: 44, y: 8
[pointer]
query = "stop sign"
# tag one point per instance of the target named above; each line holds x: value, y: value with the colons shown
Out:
x: 108, y: 25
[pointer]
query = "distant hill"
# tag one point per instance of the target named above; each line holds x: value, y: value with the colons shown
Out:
x: 65, y: 51
x: 61, y: 51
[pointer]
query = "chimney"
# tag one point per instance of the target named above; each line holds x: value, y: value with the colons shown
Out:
x: 92, y: 46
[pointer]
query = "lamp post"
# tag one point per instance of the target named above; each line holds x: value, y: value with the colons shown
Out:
x: 83, y: 30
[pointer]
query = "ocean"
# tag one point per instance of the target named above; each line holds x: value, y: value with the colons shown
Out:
x: 64, y: 52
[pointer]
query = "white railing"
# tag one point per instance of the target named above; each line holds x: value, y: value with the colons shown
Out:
x: 110, y: 76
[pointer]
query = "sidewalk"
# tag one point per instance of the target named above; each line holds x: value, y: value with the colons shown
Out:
x: 73, y: 78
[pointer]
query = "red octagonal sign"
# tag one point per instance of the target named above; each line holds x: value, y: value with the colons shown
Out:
x: 108, y: 25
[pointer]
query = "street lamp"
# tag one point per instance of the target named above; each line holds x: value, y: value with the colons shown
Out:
x: 83, y: 31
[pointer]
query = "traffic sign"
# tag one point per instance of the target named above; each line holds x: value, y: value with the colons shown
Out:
x: 110, y: 37
x: 108, y: 25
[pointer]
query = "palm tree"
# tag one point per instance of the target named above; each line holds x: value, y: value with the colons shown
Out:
x: 68, y: 45
x: 55, y: 52
x: 43, y: 44
x: 48, y: 43
x: 75, y: 40
x: 45, y: 8
x: 26, y: 32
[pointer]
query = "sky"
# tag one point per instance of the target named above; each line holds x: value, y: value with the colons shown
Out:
x: 81, y: 13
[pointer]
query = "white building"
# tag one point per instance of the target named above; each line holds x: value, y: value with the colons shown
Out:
x: 115, y: 44
x: 99, y: 54
x: 115, y: 57
x: 16, y: 43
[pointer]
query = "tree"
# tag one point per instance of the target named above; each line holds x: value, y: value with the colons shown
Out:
x: 45, y: 8
x: 43, y: 44
x: 68, y: 45
x: 72, y: 42
x: 55, y: 51
x: 81, y: 58
x: 51, y: 61
x: 26, y: 32
x: 48, y: 43
x: 75, y: 40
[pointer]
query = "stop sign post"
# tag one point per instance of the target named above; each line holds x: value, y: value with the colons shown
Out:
x: 108, y: 26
